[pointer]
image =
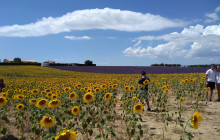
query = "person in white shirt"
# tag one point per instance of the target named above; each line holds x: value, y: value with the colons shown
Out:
x: 217, y: 77
x: 210, y: 81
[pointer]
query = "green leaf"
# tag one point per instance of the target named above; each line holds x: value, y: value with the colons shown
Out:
x: 58, y: 121
x: 90, y: 132
x: 218, y: 130
x: 105, y: 136
x: 141, y: 133
x: 5, y: 118
x: 4, y: 131
x: 181, y: 125
x: 98, y: 137
x: 189, y: 124
x: 132, y: 132
x: 190, y: 136
x: 84, y: 124
x: 140, y: 119
x: 139, y: 126
x: 88, y: 120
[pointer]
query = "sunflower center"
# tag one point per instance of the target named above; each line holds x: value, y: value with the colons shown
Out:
x: 34, y: 101
x: 88, y: 97
x: 72, y: 95
x: 75, y: 109
x: 20, y: 106
x: 48, y: 120
x: 54, y: 102
x: 107, y: 96
x: 1, y: 100
x: 42, y: 102
x: 195, y: 119
x: 138, y: 107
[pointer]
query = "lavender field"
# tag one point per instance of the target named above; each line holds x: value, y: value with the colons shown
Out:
x: 131, y: 69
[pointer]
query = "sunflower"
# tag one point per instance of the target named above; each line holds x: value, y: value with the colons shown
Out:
x: 140, y: 86
x: 204, y: 89
x: 20, y: 107
x: 20, y: 97
x: 88, y: 97
x: 182, y: 82
x: 67, y: 135
x: 208, y: 89
x: 49, y: 94
x: 167, y: 91
x: 43, y: 92
x: 126, y: 88
x: 103, y: 86
x: 54, y: 96
x: 115, y: 86
x: 72, y: 95
x: 116, y: 100
x: 146, y: 82
x: 135, y: 99
x: 124, y: 103
x: 54, y: 103
x: 196, y: 120
x: 47, y: 90
x: 75, y: 110
x: 35, y: 91
x: 163, y: 88
x: 79, y: 85
x: 41, y: 103
x: 82, y: 89
x: 4, y: 94
x: 200, y: 84
x: 47, y: 121
x: 138, y: 108
x: 108, y: 96
x: 97, y: 90
x: 24, y: 92
x: 67, y: 89
x: 131, y: 88
x: 181, y: 99
x: 2, y: 101
x: 32, y: 101
x: 110, y: 86
x: 89, y: 90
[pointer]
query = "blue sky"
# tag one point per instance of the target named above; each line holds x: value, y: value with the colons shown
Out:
x: 111, y: 32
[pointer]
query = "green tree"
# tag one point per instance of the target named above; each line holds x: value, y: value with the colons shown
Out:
x: 88, y: 63
x: 17, y: 60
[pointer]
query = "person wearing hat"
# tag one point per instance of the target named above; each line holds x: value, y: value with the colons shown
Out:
x: 210, y: 81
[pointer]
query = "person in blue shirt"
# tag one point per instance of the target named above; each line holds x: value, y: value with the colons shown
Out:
x: 2, y: 84
x: 144, y: 89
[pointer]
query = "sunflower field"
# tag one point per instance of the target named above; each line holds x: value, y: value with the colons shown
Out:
x: 40, y: 103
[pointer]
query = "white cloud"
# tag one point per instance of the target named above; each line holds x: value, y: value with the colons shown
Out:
x: 193, y: 42
x: 212, y: 17
x: 107, y: 18
x: 77, y: 38
x: 111, y: 37
x: 217, y: 9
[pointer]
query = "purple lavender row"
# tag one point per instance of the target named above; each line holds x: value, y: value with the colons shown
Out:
x: 131, y: 69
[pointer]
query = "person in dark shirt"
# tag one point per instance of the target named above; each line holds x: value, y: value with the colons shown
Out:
x: 2, y: 84
x: 144, y: 80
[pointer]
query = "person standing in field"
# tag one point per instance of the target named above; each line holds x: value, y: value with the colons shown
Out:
x: 210, y: 81
x: 2, y: 84
x: 144, y: 89
x: 217, y: 77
